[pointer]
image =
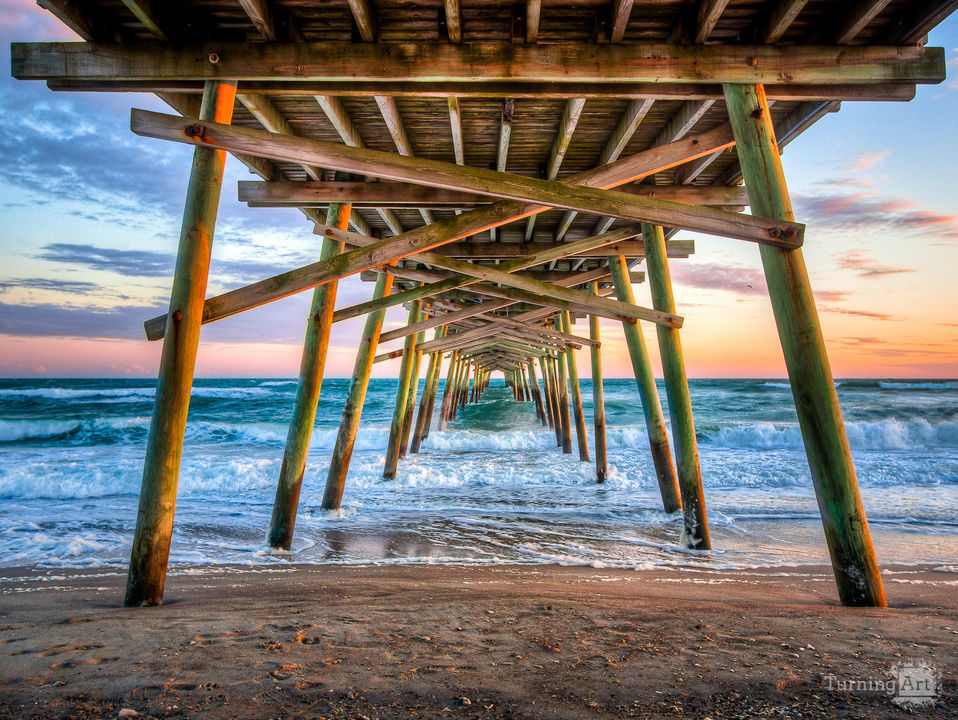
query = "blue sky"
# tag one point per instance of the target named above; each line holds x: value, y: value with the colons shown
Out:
x: 90, y: 214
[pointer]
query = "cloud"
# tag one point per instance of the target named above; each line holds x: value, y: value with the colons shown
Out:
x: 864, y: 211
x: 74, y: 287
x: 858, y: 313
x: 830, y: 295
x: 731, y: 278
x: 865, y: 160
x: 864, y: 265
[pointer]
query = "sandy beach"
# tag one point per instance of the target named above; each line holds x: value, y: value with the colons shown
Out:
x: 468, y: 642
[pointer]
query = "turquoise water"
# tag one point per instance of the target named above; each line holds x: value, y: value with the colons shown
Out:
x: 493, y: 488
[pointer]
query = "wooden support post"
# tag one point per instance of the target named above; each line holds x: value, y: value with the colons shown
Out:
x: 648, y: 392
x: 696, y: 533
x: 598, y: 398
x: 413, y: 391
x: 580, y: 436
x: 164, y: 449
x: 435, y: 388
x: 355, y: 397
x: 563, y: 394
x: 428, y: 395
x: 445, y: 410
x: 402, y: 392
x: 547, y: 390
x: 536, y: 394
x: 311, y: 368
x: 813, y: 388
x: 456, y: 390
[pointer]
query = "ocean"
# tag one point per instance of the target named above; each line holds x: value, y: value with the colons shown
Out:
x: 493, y: 488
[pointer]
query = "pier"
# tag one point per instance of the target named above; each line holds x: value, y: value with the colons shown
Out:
x: 505, y: 172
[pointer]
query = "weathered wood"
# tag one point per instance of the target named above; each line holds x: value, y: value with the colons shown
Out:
x: 447, y: 391
x: 695, y: 533
x: 436, y: 173
x: 455, y: 122
x: 861, y: 14
x: 648, y: 393
x: 311, y: 367
x: 355, y: 397
x: 428, y: 394
x: 621, y: 10
x: 161, y: 468
x: 533, y: 11
x: 479, y: 62
x: 453, y: 20
x: 428, y: 237
x: 803, y: 345
x: 536, y: 392
x: 260, y: 13
x: 562, y: 395
x: 782, y: 15
x: 598, y: 399
x: 505, y: 134
x: 146, y: 13
x: 581, y: 439
x: 269, y: 116
x: 402, y: 392
x: 709, y: 12
x: 397, y: 129
x: 435, y: 387
x: 411, y: 395
x: 503, y: 250
x: 551, y: 404
x: 365, y: 17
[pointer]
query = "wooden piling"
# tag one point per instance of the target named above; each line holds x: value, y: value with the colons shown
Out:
x: 581, y: 439
x: 547, y: 391
x: 355, y: 397
x: 310, y: 384
x: 402, y: 393
x: 448, y: 391
x: 813, y: 387
x: 412, y: 393
x: 685, y: 445
x: 598, y: 397
x: 563, y: 394
x: 428, y: 394
x: 150, y: 553
x: 536, y: 393
x: 648, y: 392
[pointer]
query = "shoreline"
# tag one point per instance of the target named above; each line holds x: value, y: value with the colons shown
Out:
x: 471, y: 641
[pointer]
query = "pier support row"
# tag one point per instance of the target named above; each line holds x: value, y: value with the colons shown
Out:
x: 402, y: 392
x: 428, y: 394
x: 809, y: 373
x: 355, y: 397
x: 598, y: 396
x: 150, y: 554
x: 581, y: 439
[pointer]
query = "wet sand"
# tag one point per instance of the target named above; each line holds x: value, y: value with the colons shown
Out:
x: 468, y: 642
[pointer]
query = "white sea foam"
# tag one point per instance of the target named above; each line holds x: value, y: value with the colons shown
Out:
x: 940, y: 385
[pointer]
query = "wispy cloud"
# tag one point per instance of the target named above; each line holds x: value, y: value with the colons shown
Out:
x: 858, y: 313
x: 864, y: 265
x: 731, y: 278
x: 865, y: 160
x: 75, y: 287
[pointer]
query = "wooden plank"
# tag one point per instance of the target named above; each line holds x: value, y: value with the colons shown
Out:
x: 806, y: 359
x: 145, y: 11
x: 446, y: 175
x: 709, y: 13
x: 453, y: 20
x: 391, y: 194
x: 269, y: 116
x: 260, y: 13
x: 365, y: 19
x: 431, y: 236
x: 397, y: 129
x: 479, y: 62
x: 890, y: 91
x: 567, y: 124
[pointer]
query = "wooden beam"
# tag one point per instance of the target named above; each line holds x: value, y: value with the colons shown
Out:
x: 505, y: 133
x: 533, y: 10
x: 923, y: 19
x: 890, y: 91
x: 439, y: 62
x: 269, y: 116
x: 780, y: 18
x: 453, y: 20
x: 440, y: 174
x: 365, y: 18
x: 861, y: 14
x: 146, y: 12
x: 455, y: 122
x: 260, y: 13
x: 397, y: 129
x: 567, y: 124
x: 621, y: 10
x: 70, y: 14
x: 408, y: 195
x: 709, y: 12
x: 446, y: 231
x: 335, y: 111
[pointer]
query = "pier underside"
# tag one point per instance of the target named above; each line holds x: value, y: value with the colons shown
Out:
x: 500, y: 170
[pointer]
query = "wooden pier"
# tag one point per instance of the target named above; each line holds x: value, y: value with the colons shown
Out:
x: 499, y: 169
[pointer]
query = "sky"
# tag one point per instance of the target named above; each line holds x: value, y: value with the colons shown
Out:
x: 90, y: 217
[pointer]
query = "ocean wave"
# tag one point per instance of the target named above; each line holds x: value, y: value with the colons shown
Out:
x: 887, y: 434
x: 924, y: 385
x: 471, y: 441
x: 57, y: 393
x: 100, y: 430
